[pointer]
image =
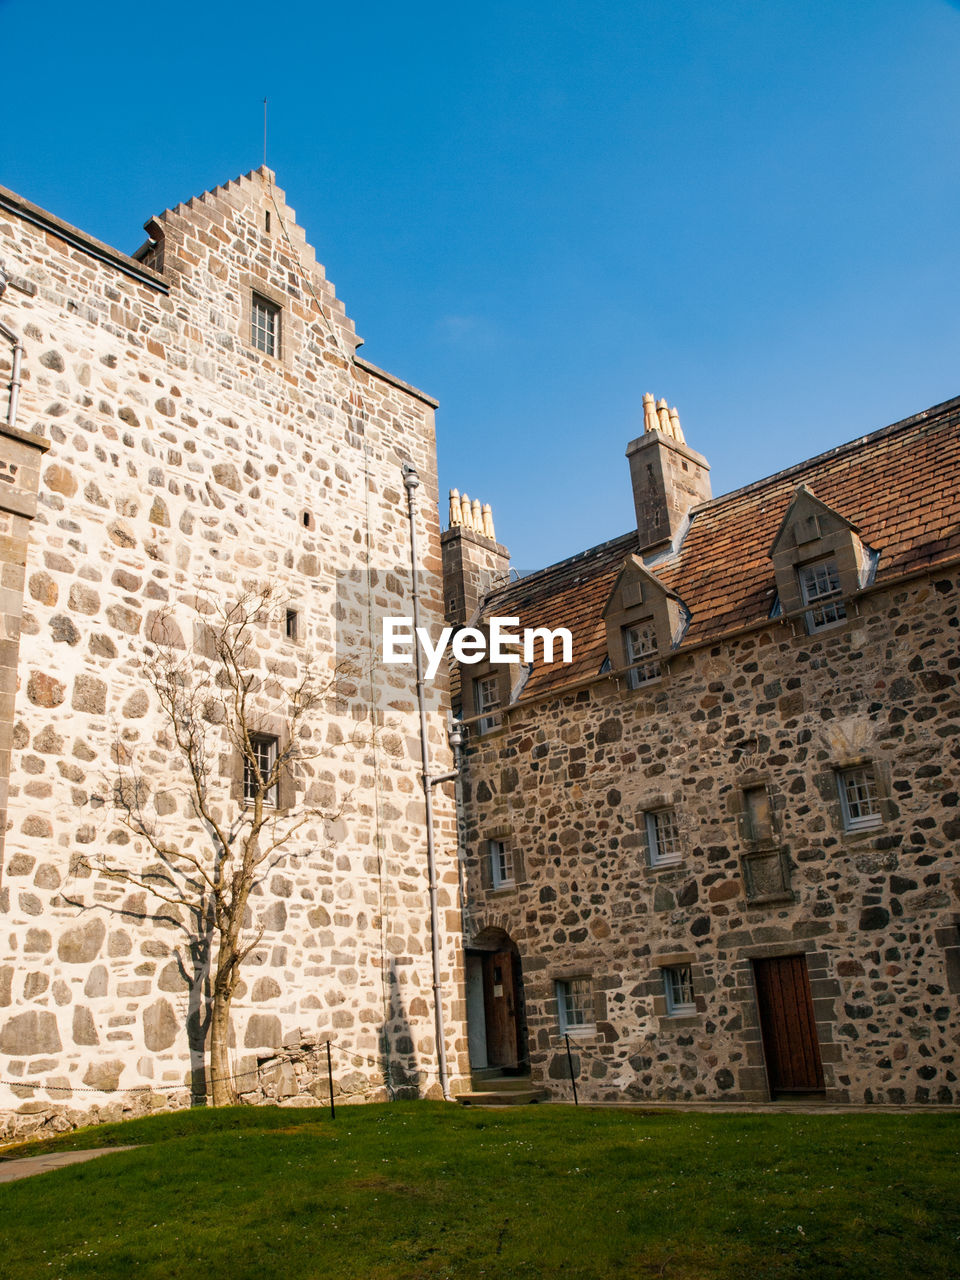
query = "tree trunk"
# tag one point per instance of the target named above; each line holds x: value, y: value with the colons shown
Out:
x: 221, y: 1083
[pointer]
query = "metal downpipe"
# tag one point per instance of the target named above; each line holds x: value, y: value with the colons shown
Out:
x: 14, y: 400
x: 411, y: 482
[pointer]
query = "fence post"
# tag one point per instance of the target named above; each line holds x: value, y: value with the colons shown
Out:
x: 576, y: 1101
x: 333, y: 1110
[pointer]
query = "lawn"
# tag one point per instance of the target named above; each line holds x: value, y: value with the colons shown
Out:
x: 411, y: 1190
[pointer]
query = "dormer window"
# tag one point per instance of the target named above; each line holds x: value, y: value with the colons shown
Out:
x: 640, y: 646
x: 643, y: 622
x: 820, y: 588
x: 819, y: 562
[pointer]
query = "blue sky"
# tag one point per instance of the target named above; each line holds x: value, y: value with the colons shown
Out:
x: 537, y: 212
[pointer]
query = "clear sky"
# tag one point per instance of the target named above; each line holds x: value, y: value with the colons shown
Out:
x: 538, y: 211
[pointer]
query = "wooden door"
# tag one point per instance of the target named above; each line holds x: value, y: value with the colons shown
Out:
x: 790, y: 1044
x: 499, y: 998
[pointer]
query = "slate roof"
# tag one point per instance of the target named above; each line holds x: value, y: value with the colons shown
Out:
x: 899, y: 486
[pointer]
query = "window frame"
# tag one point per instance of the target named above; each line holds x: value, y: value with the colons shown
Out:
x: 502, y: 869
x: 489, y: 713
x: 752, y: 831
x: 642, y: 666
x: 271, y: 796
x: 655, y: 842
x: 291, y: 624
x: 678, y: 978
x: 271, y: 329
x: 570, y: 1008
x: 830, y: 601
x: 861, y: 822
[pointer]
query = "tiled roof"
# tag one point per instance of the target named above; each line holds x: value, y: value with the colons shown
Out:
x: 899, y: 486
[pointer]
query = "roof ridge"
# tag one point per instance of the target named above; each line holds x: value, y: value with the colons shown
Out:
x: 930, y: 416
x: 563, y: 564
x: 797, y: 468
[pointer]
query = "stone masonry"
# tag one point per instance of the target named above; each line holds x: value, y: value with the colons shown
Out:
x: 578, y: 762
x: 182, y: 459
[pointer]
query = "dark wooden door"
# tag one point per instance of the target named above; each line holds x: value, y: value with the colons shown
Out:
x: 790, y: 1044
x: 500, y: 1007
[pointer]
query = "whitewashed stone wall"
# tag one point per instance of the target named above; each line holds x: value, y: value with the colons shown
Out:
x: 182, y: 459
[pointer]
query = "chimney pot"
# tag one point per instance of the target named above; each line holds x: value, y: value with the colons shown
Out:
x: 488, y: 530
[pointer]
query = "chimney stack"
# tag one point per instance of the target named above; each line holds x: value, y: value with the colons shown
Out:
x: 473, y: 561
x: 669, y: 478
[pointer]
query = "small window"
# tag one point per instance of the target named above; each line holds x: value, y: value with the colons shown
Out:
x: 678, y: 988
x: 292, y: 624
x: 640, y: 646
x: 757, y: 815
x: 486, y: 693
x: 575, y: 1004
x: 265, y: 754
x: 663, y: 838
x: 265, y: 325
x: 501, y: 864
x: 859, y: 800
x: 820, y: 587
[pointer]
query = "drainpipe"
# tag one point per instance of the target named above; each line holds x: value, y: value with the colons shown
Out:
x: 17, y: 346
x: 412, y: 482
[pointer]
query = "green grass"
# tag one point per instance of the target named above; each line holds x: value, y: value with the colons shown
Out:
x: 423, y: 1190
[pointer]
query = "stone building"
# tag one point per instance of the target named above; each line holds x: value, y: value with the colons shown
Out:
x: 716, y: 850
x: 191, y: 420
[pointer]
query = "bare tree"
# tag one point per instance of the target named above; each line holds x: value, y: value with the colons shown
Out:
x: 241, y: 730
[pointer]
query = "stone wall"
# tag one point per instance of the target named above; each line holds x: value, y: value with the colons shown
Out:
x: 182, y: 460
x: 567, y: 781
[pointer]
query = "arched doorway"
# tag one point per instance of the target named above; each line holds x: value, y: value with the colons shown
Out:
x: 496, y: 1025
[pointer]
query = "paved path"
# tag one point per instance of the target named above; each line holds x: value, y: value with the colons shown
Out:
x: 11, y: 1170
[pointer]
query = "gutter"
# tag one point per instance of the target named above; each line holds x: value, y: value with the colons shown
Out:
x: 77, y: 239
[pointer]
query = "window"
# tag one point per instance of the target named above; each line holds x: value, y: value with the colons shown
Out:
x: 678, y: 988
x: 859, y: 800
x: 663, y: 837
x: 575, y: 1004
x: 265, y: 753
x: 820, y: 587
x: 486, y: 696
x: 292, y: 624
x: 265, y: 325
x: 501, y: 864
x: 757, y: 815
x: 640, y: 646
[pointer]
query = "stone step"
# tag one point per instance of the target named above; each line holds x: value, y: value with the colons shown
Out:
x: 499, y: 1084
x: 501, y: 1098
